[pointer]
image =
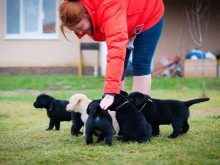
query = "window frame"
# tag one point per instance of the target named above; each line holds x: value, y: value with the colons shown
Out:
x: 35, y: 36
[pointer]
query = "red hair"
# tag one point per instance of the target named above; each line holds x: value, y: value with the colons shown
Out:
x: 71, y: 13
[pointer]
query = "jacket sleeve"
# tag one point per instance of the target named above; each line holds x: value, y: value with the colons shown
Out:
x: 114, y: 26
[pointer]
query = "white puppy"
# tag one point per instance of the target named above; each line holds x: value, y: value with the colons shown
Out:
x: 114, y: 121
x: 79, y: 103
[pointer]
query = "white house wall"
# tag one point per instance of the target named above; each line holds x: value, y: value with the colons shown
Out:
x: 61, y: 53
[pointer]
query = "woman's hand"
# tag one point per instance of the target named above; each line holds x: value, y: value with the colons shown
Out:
x: 106, y: 101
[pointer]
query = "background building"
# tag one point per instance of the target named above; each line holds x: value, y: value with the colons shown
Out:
x: 31, y: 42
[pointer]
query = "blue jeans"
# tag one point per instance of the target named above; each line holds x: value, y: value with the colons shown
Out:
x: 144, y: 47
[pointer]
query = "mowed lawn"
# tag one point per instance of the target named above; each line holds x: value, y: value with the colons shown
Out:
x: 23, y: 139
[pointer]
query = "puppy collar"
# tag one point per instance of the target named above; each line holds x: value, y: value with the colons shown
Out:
x: 121, y: 105
x: 145, y: 104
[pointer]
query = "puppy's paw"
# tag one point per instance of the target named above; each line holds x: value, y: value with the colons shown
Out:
x: 89, y: 141
x: 172, y: 136
x: 76, y: 133
x: 48, y: 129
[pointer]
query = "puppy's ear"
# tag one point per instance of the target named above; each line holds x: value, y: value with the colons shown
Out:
x: 98, y: 108
x: 93, y: 107
x: 123, y: 93
x: 140, y: 99
x: 90, y: 107
x: 88, y: 110
x: 76, y: 102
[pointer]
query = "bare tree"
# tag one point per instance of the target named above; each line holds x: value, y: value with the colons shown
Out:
x: 197, y: 15
x: 198, y: 19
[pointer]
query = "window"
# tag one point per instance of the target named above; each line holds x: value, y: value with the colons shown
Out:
x: 31, y: 19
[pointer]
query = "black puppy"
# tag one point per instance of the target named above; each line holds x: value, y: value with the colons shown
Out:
x: 133, y: 126
x: 56, y: 111
x: 162, y: 112
x: 99, y: 123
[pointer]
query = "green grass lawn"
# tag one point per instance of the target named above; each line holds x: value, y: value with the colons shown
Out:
x: 23, y: 139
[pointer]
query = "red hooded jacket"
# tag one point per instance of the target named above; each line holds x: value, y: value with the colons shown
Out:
x: 115, y: 21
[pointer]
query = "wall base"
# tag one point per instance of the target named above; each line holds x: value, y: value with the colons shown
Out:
x: 44, y: 70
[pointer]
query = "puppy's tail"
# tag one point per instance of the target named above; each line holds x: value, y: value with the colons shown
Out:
x: 195, y: 101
